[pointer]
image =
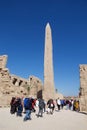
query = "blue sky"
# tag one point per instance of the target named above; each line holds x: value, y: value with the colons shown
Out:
x: 22, y: 33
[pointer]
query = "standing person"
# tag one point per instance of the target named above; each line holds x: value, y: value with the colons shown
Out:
x: 28, y: 108
x: 45, y: 103
x: 62, y: 103
x: 51, y: 106
x: 58, y: 103
x: 37, y: 103
x: 13, y: 108
x: 72, y: 104
x: 77, y: 106
x: 67, y: 104
x: 37, y: 106
x: 33, y: 105
x: 41, y: 107
x: 19, y: 107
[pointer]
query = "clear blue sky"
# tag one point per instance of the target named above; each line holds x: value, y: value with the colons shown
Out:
x: 22, y: 32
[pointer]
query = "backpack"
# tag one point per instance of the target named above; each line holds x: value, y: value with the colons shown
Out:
x: 27, y: 103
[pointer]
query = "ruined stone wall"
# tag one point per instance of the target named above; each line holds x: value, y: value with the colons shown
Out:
x: 83, y: 88
x: 12, y: 85
x: 18, y: 81
x: 36, y: 86
x: 4, y: 75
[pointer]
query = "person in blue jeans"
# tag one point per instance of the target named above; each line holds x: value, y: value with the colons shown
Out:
x: 28, y: 108
x: 28, y: 115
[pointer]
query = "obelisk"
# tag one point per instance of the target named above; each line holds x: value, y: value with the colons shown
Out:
x: 49, y: 89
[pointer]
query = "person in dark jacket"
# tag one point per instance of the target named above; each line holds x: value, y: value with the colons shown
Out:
x: 13, y: 107
x: 19, y: 107
x: 41, y: 107
x: 28, y: 108
x: 51, y: 106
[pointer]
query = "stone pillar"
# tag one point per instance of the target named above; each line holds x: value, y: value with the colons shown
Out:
x: 3, y: 61
x: 48, y: 90
x: 83, y: 88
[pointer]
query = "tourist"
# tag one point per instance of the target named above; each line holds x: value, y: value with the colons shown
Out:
x: 72, y: 104
x: 41, y: 107
x: 77, y: 106
x: 28, y: 108
x: 62, y: 103
x: 13, y: 108
x: 45, y: 103
x: 19, y: 107
x: 51, y: 106
x: 33, y: 104
x: 58, y: 103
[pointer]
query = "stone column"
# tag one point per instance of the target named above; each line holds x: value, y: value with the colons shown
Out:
x: 83, y: 88
x: 3, y: 61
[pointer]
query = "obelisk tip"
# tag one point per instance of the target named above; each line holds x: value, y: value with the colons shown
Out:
x: 48, y: 25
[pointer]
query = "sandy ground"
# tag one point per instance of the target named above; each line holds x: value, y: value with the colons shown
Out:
x: 63, y: 120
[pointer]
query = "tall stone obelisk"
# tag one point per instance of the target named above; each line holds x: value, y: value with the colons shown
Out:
x: 49, y: 89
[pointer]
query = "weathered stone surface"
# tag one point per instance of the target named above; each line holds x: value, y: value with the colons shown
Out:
x: 15, y: 86
x: 83, y: 88
x: 35, y: 86
x: 3, y: 61
x: 49, y: 88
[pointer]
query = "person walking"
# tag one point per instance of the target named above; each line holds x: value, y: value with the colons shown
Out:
x: 41, y: 107
x: 58, y: 103
x: 28, y: 108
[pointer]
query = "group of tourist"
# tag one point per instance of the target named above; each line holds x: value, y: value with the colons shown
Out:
x: 28, y: 105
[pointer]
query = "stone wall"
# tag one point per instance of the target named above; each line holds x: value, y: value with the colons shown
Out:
x: 36, y: 87
x: 83, y: 88
x: 12, y: 85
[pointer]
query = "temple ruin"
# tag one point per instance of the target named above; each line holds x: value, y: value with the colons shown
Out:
x: 83, y: 88
x: 12, y: 85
